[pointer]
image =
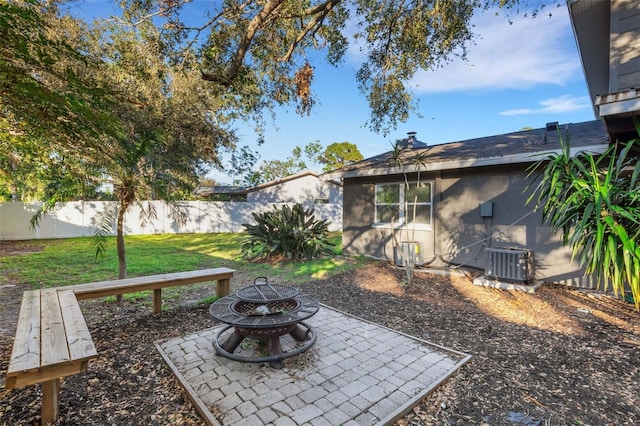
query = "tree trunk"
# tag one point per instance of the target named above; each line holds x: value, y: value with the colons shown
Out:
x: 15, y: 196
x: 122, y: 256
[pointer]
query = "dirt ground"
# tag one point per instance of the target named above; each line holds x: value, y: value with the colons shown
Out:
x: 555, y: 357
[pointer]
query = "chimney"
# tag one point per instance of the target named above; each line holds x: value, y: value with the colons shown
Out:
x: 411, y: 138
x: 553, y: 126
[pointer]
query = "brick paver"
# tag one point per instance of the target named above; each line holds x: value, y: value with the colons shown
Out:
x: 357, y: 373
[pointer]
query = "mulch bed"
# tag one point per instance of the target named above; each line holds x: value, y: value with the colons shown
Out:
x: 558, y: 356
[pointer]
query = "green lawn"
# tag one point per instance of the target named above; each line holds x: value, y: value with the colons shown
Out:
x: 73, y: 261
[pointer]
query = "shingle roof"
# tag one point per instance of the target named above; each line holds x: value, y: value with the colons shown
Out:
x: 510, y: 148
x: 287, y: 179
x: 242, y: 190
x: 220, y: 190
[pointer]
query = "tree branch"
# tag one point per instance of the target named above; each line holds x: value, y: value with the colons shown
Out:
x: 162, y: 11
x: 321, y: 10
x: 243, y: 47
x: 388, y: 49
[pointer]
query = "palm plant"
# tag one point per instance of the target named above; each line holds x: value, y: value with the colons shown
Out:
x: 292, y: 232
x: 594, y: 200
x: 169, y: 127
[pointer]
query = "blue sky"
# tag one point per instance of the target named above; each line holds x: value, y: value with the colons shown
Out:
x: 520, y: 74
x: 517, y: 75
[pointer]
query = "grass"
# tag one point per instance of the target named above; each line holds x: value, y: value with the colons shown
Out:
x: 73, y: 261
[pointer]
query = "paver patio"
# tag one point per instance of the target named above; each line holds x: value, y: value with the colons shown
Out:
x: 357, y: 373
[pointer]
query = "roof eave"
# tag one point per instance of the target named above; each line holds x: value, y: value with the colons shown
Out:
x: 475, y: 162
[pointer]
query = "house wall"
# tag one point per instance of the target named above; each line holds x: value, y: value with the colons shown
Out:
x: 608, y: 36
x: 358, y: 235
x: 460, y: 234
x: 305, y: 189
x: 625, y: 44
x: 463, y: 233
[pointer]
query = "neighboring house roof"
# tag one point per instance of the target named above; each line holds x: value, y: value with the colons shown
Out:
x: 240, y: 190
x: 287, y: 179
x: 518, y: 147
x: 206, y: 191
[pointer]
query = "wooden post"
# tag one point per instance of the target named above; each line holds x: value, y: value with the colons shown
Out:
x: 157, y: 301
x: 50, y: 401
x: 222, y: 287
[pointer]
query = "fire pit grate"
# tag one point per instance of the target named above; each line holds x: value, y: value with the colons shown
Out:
x: 223, y: 310
x: 269, y: 308
x: 265, y: 292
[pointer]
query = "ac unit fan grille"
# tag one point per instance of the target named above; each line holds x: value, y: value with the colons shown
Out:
x: 509, y: 265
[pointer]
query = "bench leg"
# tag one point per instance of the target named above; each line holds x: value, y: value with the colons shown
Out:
x: 157, y: 301
x: 223, y: 287
x: 50, y: 401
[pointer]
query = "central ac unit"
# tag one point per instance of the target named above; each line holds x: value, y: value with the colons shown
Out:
x: 514, y: 265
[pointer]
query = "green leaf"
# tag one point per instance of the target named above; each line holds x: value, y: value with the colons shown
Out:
x: 593, y: 199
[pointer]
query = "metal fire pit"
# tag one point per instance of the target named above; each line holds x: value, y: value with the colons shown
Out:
x: 264, y: 312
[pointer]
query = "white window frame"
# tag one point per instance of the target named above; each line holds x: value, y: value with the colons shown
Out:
x: 401, y: 222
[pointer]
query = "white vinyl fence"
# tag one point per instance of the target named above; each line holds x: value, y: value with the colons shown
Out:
x: 81, y: 218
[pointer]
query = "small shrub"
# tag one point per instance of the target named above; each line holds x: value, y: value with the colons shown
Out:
x: 293, y: 233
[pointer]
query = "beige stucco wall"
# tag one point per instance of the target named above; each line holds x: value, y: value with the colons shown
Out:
x: 305, y: 190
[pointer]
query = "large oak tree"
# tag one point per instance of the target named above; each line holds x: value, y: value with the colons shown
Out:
x: 147, y: 98
x: 264, y: 50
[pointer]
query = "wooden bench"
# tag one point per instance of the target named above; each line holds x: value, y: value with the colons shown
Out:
x: 222, y: 276
x: 52, y: 341
x: 52, y: 338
